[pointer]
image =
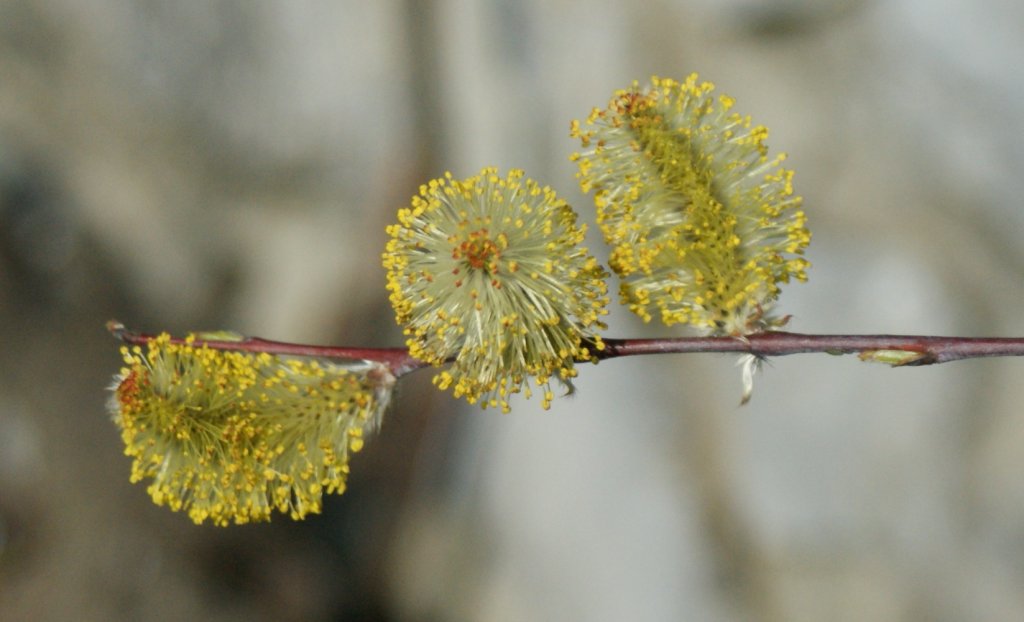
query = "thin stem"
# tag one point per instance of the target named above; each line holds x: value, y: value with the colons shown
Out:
x: 398, y: 360
x: 898, y: 350
x: 920, y: 350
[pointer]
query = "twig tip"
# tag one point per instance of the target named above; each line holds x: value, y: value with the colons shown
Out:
x: 116, y: 329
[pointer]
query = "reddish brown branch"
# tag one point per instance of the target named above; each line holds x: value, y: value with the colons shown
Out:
x: 398, y: 360
x: 920, y: 350
x: 923, y: 350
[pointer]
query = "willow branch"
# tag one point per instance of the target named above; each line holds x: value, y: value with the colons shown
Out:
x: 398, y: 360
x: 900, y: 350
x: 897, y: 350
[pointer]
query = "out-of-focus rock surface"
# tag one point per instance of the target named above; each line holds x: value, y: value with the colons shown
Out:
x: 209, y: 165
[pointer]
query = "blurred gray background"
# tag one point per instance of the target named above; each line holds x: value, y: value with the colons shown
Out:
x: 197, y: 165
